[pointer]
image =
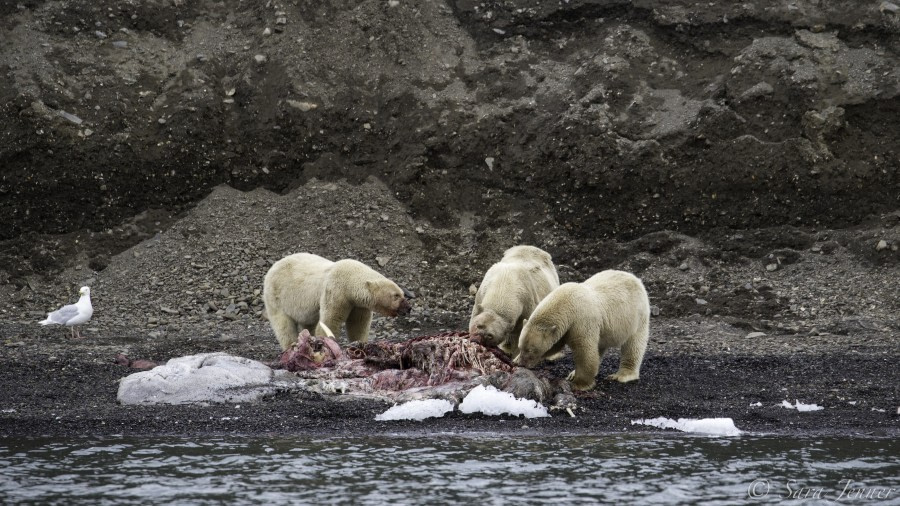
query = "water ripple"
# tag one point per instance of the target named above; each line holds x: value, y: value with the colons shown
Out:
x: 496, y: 469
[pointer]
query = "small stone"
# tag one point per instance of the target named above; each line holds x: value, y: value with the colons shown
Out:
x: 121, y: 44
x: 473, y: 289
x: 701, y: 302
x: 152, y: 320
x: 161, y: 121
x: 384, y: 217
x: 393, y: 3
x: 168, y: 310
x: 303, y: 106
x: 654, y: 310
x: 754, y: 335
x: 489, y: 161
x: 156, y: 334
x: 420, y: 230
x: 212, y: 306
x: 367, y: 126
x: 772, y: 267
x: 267, y: 31
x: 684, y: 266
x: 382, y: 261
x: 882, y: 245
x: 71, y: 117
x: 100, y: 35
x: 230, y: 316
x: 281, y: 21
x: 260, y: 59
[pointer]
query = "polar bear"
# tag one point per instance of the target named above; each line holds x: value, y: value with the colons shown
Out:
x: 302, y: 291
x: 509, y: 292
x: 609, y: 310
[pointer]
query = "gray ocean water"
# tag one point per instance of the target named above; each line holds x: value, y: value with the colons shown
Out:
x: 443, y: 469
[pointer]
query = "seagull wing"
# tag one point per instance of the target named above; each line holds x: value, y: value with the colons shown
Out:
x: 64, y: 314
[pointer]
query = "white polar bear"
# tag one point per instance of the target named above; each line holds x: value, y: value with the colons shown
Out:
x: 509, y: 292
x: 609, y: 310
x: 302, y: 290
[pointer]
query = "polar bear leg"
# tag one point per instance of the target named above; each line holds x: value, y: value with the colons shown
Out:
x: 333, y: 318
x: 632, y: 356
x: 587, y: 365
x: 284, y: 326
x: 358, y: 324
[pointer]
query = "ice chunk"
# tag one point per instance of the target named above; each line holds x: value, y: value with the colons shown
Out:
x: 417, y: 410
x: 711, y: 426
x: 490, y: 401
x: 799, y: 406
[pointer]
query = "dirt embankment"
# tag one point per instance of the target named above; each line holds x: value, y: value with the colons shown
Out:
x: 605, y: 119
x: 741, y: 159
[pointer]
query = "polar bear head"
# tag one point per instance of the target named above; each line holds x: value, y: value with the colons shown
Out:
x: 490, y: 327
x: 534, y: 342
x: 388, y: 299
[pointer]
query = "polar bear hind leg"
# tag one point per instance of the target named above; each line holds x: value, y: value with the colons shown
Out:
x: 632, y: 356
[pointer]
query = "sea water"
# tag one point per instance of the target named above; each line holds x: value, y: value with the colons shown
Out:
x: 450, y: 468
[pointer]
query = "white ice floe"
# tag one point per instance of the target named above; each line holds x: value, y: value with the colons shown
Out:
x: 799, y: 406
x: 711, y: 426
x: 417, y: 410
x: 490, y: 401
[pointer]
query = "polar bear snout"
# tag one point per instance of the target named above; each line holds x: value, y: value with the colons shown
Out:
x: 404, y: 308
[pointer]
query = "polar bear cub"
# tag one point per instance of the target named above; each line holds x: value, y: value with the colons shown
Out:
x: 609, y: 310
x: 509, y: 292
x: 302, y: 291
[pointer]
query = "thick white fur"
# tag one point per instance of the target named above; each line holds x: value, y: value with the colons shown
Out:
x: 609, y: 310
x: 303, y: 290
x: 509, y: 292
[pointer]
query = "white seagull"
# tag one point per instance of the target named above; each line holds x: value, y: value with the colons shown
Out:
x: 73, y: 314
